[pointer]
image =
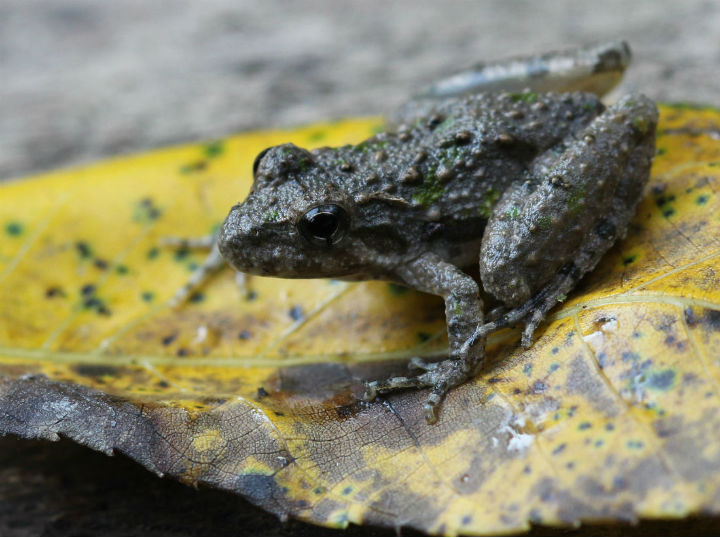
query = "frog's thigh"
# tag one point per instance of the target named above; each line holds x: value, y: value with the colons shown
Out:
x: 545, y: 233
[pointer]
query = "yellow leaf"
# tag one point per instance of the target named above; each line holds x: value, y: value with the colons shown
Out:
x: 613, y: 414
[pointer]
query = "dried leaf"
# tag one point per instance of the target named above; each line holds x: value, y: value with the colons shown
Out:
x: 613, y: 414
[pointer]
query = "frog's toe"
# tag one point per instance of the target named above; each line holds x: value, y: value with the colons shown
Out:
x: 431, y: 406
x: 244, y: 287
x: 371, y: 391
x: 532, y: 312
x: 440, y: 376
x: 419, y: 363
x: 447, y: 375
x: 531, y: 323
x: 378, y: 387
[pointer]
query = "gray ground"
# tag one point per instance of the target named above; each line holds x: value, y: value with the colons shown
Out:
x: 82, y: 79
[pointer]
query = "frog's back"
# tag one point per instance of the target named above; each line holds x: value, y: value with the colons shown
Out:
x: 445, y: 172
x: 475, y: 146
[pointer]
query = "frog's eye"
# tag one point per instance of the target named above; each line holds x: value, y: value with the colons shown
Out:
x: 324, y: 225
x: 258, y: 159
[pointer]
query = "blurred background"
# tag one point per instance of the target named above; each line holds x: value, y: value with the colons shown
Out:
x: 81, y: 79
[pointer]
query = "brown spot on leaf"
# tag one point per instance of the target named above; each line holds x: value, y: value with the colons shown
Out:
x: 90, y: 370
x: 583, y: 380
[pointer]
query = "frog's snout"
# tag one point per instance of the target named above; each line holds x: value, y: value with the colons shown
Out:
x: 237, y: 240
x: 256, y: 242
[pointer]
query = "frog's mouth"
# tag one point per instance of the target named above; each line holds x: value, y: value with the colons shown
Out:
x: 267, y: 252
x: 284, y: 259
x: 252, y: 254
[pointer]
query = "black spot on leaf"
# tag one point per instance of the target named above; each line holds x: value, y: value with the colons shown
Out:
x: 244, y: 334
x: 14, y: 229
x: 167, y: 340
x: 629, y: 259
x: 296, y: 313
x: 83, y: 249
x: 147, y: 296
x: 54, y: 292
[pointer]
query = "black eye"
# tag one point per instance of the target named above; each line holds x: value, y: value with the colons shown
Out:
x: 324, y: 225
x: 258, y: 159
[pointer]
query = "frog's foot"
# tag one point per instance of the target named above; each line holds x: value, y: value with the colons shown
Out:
x: 440, y: 376
x: 532, y: 312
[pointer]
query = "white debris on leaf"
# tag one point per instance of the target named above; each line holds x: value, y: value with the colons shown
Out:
x: 596, y: 339
x: 518, y: 440
x: 201, y: 334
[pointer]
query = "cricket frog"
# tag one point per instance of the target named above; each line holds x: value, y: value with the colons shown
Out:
x: 535, y: 186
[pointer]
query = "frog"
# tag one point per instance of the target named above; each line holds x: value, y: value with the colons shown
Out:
x: 529, y: 186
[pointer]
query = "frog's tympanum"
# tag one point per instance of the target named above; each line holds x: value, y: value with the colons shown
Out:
x: 535, y: 186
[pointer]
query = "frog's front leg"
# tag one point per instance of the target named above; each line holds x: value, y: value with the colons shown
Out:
x: 546, y: 233
x: 212, y: 263
x: 463, y: 310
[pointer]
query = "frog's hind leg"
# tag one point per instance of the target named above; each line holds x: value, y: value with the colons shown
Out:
x: 594, y: 69
x: 533, y: 311
x: 546, y: 233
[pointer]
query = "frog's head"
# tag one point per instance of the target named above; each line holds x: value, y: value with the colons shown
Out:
x: 295, y: 223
